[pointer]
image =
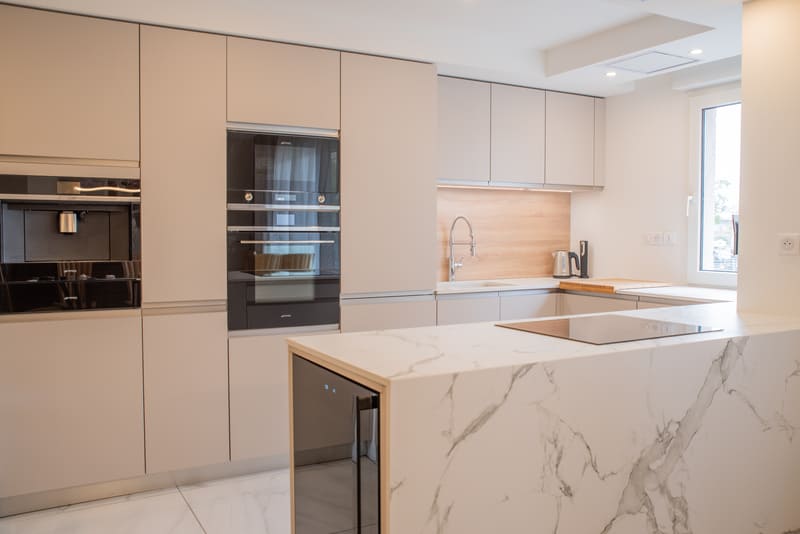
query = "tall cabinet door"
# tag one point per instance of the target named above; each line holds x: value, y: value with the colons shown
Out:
x: 183, y: 166
x: 569, y: 152
x: 464, y: 130
x: 70, y: 401
x: 70, y: 86
x: 185, y: 390
x: 517, y: 134
x: 388, y: 149
x: 282, y: 84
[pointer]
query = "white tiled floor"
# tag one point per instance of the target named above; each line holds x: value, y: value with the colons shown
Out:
x: 252, y: 504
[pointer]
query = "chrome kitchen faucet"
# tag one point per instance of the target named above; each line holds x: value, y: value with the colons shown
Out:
x: 472, y: 246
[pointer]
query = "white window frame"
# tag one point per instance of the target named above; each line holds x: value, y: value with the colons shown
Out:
x: 696, y: 106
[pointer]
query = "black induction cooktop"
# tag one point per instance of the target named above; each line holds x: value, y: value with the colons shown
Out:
x: 605, y: 329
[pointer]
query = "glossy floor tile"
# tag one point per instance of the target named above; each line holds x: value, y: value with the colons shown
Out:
x: 248, y: 504
x: 163, y: 511
x: 252, y: 504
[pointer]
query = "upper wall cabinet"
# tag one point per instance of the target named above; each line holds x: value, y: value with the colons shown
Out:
x: 599, y: 142
x: 183, y: 166
x: 569, y: 152
x: 518, y: 134
x: 70, y: 86
x: 388, y: 175
x: 464, y: 130
x: 280, y: 84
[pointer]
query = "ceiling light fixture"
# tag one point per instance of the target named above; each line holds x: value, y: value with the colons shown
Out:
x: 611, y: 74
x: 696, y: 51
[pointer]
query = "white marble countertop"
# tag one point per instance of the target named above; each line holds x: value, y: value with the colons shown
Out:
x: 506, y: 284
x: 391, y: 355
x: 689, y: 293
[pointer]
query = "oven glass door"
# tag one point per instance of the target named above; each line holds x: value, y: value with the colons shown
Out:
x: 287, y: 163
x: 256, y: 255
x: 282, y: 278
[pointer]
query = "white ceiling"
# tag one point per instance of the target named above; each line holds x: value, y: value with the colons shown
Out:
x: 498, y: 40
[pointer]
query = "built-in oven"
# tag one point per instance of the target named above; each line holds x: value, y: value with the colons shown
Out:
x: 68, y: 244
x: 283, y: 230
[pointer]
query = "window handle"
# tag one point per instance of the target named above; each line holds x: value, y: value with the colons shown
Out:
x: 689, y: 200
x: 735, y: 222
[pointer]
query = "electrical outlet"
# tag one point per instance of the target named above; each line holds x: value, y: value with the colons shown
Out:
x: 670, y: 238
x: 789, y: 244
x: 654, y: 239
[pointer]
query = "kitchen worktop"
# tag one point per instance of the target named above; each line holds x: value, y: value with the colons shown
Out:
x: 504, y: 284
x: 490, y: 429
x: 638, y: 288
x: 689, y: 293
x: 390, y: 355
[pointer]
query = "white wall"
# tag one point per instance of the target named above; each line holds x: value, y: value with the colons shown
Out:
x: 646, y: 187
x: 770, y: 191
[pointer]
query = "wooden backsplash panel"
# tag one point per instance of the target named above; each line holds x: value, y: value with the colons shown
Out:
x: 516, y: 231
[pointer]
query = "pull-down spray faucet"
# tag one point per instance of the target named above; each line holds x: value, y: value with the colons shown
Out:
x: 472, y: 246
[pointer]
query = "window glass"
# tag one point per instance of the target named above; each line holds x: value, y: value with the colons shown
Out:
x: 720, y: 187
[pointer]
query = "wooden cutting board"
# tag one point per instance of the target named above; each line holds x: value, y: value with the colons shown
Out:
x: 607, y: 285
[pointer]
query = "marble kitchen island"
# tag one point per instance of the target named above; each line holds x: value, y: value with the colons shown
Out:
x: 486, y: 429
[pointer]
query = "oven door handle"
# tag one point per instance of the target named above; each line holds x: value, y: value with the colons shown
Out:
x: 282, y: 207
x: 305, y: 229
x: 288, y: 242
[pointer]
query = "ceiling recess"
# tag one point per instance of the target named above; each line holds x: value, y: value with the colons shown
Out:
x: 651, y: 62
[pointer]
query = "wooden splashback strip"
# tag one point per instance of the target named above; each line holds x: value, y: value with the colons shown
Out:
x: 516, y: 231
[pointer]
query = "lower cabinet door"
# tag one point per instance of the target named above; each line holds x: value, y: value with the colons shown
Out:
x: 387, y: 313
x: 527, y: 306
x: 70, y: 401
x: 259, y: 396
x: 185, y: 390
x: 468, y: 308
x: 578, y: 304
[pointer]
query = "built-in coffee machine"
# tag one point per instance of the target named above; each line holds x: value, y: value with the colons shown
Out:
x: 69, y: 243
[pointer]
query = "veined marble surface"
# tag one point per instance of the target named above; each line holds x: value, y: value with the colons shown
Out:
x: 251, y: 504
x: 492, y: 430
x: 687, y: 438
x: 392, y: 355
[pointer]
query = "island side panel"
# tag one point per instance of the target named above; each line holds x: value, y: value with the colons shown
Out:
x: 382, y: 388
x: 697, y: 437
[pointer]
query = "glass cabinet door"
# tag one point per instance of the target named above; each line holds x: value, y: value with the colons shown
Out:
x: 336, y: 453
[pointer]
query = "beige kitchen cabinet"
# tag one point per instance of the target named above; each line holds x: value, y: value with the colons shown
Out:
x: 599, y: 142
x: 527, y: 305
x: 387, y: 313
x: 388, y: 175
x: 185, y: 389
x: 70, y: 401
x: 259, y: 396
x: 70, y: 86
x: 467, y: 308
x: 464, y: 130
x: 569, y: 143
x: 570, y: 304
x: 282, y: 84
x: 518, y: 134
x: 183, y: 166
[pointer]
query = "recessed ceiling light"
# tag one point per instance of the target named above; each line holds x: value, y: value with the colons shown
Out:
x: 696, y: 51
x: 611, y: 74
